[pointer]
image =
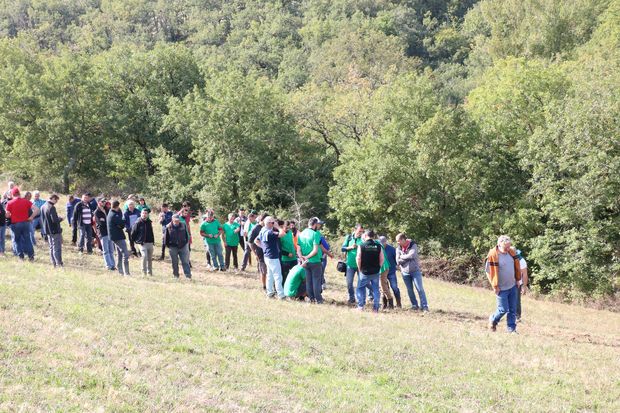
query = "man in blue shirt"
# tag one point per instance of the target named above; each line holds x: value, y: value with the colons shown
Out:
x: 73, y: 201
x: 390, y: 252
x: 269, y: 241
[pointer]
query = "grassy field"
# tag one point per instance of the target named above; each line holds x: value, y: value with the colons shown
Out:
x: 85, y: 339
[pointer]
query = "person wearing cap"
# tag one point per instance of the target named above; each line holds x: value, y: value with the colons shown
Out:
x: 165, y: 217
x: 523, y: 282
x: 82, y: 219
x: 409, y: 262
x: 370, y: 259
x: 309, y: 250
x: 50, y: 224
x: 211, y: 230
x: 142, y: 234
x: 232, y: 228
x: 247, y: 229
x: 19, y: 210
x: 241, y: 219
x: 390, y: 255
x: 101, y: 222
x: 258, y: 251
x: 269, y: 241
x: 176, y: 238
x: 116, y: 227
x: 504, y: 273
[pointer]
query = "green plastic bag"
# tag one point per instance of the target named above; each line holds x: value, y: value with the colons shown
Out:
x: 293, y: 280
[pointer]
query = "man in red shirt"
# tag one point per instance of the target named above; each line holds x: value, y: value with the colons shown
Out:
x: 19, y: 210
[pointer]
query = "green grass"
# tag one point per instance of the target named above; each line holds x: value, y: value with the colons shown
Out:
x: 84, y: 339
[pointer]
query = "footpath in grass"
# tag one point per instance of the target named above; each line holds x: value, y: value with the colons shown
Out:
x: 85, y: 339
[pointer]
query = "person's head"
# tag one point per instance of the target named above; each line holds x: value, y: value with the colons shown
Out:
x: 11, y: 184
x: 290, y: 224
x: 15, y: 192
x: 71, y: 198
x: 231, y: 217
x: 210, y: 214
x: 268, y: 222
x: 36, y: 195
x: 315, y: 223
x: 252, y: 216
x: 401, y: 239
x: 142, y: 201
x: 185, y: 206
x: 85, y: 198
x: 144, y: 214
x: 28, y: 195
x: 107, y: 205
x: 503, y: 243
x: 131, y: 205
x: 53, y: 199
x: 368, y: 234
x: 101, y: 202
x: 261, y: 218
x: 164, y: 207
x: 176, y: 219
x: 241, y: 212
x: 383, y: 240
x: 116, y: 205
x: 359, y: 230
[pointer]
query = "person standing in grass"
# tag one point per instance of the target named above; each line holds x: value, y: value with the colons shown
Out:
x: 288, y: 251
x: 34, y: 217
x: 232, y: 228
x: 141, y: 206
x: 211, y: 230
x: 142, y: 234
x: 390, y: 254
x: 101, y: 220
x: 269, y: 241
x: 3, y: 222
x: 176, y: 238
x: 50, y: 225
x: 71, y: 203
x: 369, y: 261
x: 386, y: 294
x: 116, y: 227
x: 241, y: 219
x: 409, y: 263
x: 82, y: 219
x: 36, y: 221
x: 247, y: 252
x: 309, y: 249
x: 523, y: 282
x: 349, y: 247
x: 131, y: 215
x: 504, y: 273
x: 165, y: 217
x: 19, y: 210
x: 258, y: 251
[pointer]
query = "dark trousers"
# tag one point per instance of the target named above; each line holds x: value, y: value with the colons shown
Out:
x: 74, y: 234
x: 232, y: 250
x: 286, y: 268
x: 519, y: 303
x: 242, y: 243
x: 314, y: 282
x: 163, y: 248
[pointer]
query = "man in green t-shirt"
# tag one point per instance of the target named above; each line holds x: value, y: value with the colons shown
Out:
x: 289, y: 252
x: 211, y: 231
x: 231, y: 240
x: 309, y: 251
x: 386, y: 294
x: 349, y: 247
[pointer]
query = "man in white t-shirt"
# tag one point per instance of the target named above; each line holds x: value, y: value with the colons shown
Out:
x: 523, y: 282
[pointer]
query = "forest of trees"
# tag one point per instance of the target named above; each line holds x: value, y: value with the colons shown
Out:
x: 452, y: 120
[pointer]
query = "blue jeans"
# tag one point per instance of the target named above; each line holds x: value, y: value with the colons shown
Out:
x: 363, y: 282
x: 180, y: 254
x: 323, y: 267
x: 108, y: 252
x: 86, y: 237
x: 23, y: 243
x: 33, y: 227
x: 350, y: 274
x: 411, y: 280
x: 123, y: 256
x: 507, y: 303
x: 394, y: 284
x: 217, y: 258
x: 314, y: 284
x: 2, y: 238
x: 274, y: 276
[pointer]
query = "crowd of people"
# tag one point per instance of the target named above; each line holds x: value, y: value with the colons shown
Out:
x: 291, y: 262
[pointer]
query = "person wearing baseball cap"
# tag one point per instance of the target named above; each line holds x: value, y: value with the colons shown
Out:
x: 18, y: 209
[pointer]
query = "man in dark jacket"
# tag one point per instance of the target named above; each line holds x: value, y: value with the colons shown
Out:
x: 177, y: 241
x: 83, y: 220
x: 73, y: 201
x: 50, y: 224
x: 116, y: 225
x: 165, y: 217
x: 142, y: 234
x: 369, y: 261
x: 131, y: 215
x: 101, y: 220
